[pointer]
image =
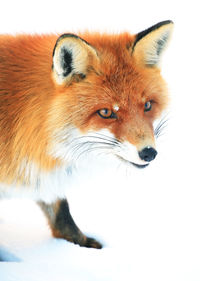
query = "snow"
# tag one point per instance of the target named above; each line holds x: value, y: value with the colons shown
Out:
x: 149, y: 219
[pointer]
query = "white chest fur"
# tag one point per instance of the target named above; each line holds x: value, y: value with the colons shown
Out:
x: 47, y: 186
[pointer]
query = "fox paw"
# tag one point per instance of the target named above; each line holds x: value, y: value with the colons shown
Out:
x: 92, y: 243
x: 79, y: 239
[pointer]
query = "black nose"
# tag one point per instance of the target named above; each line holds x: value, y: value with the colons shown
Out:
x: 148, y: 154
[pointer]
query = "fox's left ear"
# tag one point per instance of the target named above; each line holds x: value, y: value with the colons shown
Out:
x: 150, y: 43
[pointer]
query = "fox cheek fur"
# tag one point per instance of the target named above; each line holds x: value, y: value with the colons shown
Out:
x: 98, y: 92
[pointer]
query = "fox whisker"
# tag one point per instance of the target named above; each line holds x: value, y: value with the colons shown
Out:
x: 158, y: 131
x: 85, y: 144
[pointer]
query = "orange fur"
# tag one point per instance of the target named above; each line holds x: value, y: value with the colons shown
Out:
x: 26, y: 89
x: 32, y: 105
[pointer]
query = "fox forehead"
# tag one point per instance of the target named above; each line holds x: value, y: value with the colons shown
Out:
x: 118, y: 84
x: 118, y: 79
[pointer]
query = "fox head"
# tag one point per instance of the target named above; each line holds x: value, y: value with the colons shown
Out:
x: 109, y: 91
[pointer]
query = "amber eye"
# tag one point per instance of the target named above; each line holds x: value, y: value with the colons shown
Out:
x: 106, y: 113
x: 147, y: 106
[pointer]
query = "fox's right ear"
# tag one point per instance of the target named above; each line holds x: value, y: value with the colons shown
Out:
x: 72, y: 57
x: 150, y: 43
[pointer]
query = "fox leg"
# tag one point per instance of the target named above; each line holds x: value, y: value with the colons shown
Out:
x: 63, y: 226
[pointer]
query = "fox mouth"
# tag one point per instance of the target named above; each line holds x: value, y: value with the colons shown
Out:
x: 139, y: 166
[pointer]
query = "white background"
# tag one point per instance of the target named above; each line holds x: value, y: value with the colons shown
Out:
x: 148, y: 220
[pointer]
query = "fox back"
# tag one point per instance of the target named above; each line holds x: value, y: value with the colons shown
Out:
x: 61, y: 97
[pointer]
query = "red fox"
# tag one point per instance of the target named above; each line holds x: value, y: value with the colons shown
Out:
x: 61, y: 97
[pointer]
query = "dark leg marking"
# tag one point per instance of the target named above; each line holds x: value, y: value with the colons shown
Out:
x: 63, y: 226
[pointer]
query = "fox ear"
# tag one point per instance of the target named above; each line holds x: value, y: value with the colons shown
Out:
x: 72, y: 57
x: 150, y: 43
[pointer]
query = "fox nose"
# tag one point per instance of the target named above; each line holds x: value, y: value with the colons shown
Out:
x: 147, y: 154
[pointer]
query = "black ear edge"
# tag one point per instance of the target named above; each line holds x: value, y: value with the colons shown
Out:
x: 143, y: 33
x: 68, y: 35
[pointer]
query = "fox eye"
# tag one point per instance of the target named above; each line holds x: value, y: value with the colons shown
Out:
x: 147, y: 106
x: 106, y: 113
